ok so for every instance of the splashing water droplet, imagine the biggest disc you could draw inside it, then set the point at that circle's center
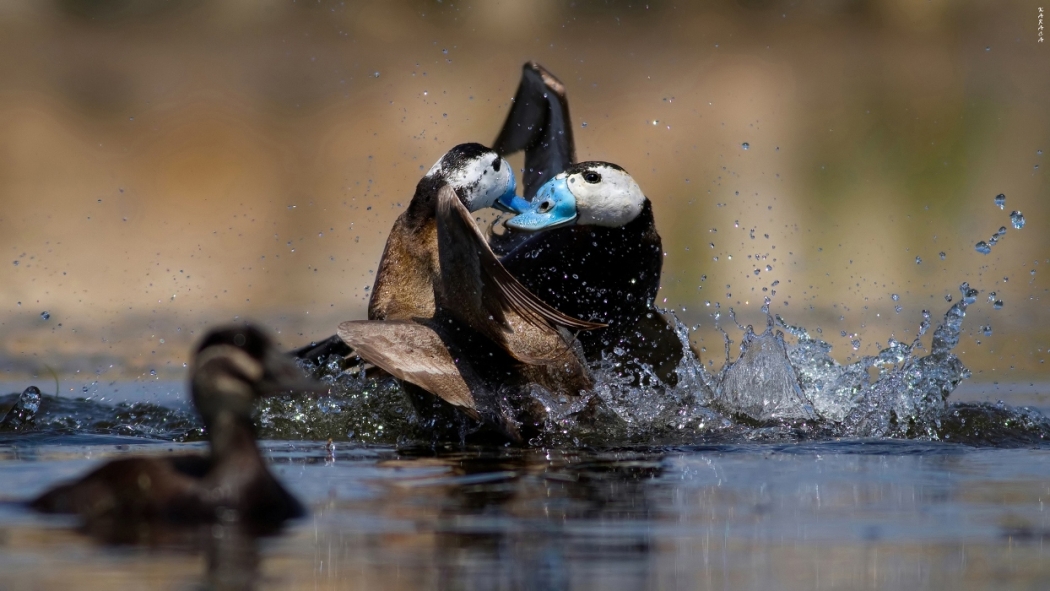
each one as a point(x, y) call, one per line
point(998, 305)
point(895, 297)
point(982, 247)
point(1000, 200)
point(986, 331)
point(1017, 219)
point(942, 255)
point(45, 315)
point(969, 294)
point(918, 260)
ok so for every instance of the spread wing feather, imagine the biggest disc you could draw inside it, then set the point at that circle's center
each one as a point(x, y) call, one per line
point(411, 352)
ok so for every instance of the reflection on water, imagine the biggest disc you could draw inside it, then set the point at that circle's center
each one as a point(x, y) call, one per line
point(831, 515)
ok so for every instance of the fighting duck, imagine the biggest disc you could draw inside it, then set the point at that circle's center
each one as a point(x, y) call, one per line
point(408, 268)
point(487, 341)
point(232, 368)
point(600, 263)
point(600, 260)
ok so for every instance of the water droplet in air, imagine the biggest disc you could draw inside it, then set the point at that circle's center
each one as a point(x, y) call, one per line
point(1000, 200)
point(45, 315)
point(152, 372)
point(584, 124)
point(895, 297)
point(942, 255)
point(745, 146)
point(1017, 219)
point(998, 305)
point(986, 331)
point(982, 247)
point(15, 263)
point(375, 74)
point(898, 309)
point(918, 260)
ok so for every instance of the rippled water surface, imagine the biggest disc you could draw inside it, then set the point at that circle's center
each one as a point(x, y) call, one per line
point(722, 513)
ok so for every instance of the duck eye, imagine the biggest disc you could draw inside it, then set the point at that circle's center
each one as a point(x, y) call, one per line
point(496, 163)
point(592, 177)
point(546, 206)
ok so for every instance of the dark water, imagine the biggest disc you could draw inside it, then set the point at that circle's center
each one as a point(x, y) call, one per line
point(730, 511)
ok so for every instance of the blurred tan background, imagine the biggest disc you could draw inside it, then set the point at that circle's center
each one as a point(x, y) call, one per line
point(165, 165)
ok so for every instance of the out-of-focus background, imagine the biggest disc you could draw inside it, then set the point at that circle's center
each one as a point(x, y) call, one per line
point(169, 164)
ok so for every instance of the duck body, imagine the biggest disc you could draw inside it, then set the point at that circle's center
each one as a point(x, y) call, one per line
point(184, 490)
point(597, 273)
point(599, 257)
point(232, 368)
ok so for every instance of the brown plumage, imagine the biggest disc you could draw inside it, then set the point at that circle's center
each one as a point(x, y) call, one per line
point(404, 285)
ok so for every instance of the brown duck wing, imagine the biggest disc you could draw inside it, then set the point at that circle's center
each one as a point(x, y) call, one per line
point(475, 285)
point(411, 352)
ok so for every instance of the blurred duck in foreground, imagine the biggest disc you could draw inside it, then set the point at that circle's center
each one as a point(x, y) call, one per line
point(233, 367)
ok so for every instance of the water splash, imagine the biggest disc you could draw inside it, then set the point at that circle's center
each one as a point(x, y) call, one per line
point(784, 385)
point(33, 412)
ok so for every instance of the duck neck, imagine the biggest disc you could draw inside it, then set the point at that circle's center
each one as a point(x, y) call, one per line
point(232, 439)
point(422, 208)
